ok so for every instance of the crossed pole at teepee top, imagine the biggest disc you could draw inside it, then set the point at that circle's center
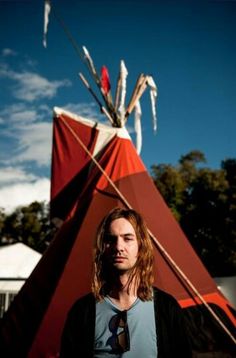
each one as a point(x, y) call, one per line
point(117, 113)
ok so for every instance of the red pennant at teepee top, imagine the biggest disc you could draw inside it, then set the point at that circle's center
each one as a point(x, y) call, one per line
point(105, 80)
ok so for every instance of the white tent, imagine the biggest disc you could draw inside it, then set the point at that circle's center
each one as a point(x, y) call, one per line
point(17, 261)
point(227, 285)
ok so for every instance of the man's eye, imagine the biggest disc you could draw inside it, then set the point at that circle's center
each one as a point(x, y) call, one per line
point(129, 238)
point(109, 239)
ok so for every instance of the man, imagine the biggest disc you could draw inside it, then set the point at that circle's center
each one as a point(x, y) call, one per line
point(124, 316)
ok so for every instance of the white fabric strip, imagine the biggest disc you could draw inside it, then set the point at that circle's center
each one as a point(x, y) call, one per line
point(47, 9)
point(123, 76)
point(137, 126)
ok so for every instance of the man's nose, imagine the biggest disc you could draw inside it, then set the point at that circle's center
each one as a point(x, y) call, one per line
point(119, 244)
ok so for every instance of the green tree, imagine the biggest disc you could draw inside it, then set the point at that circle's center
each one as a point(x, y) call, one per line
point(2, 221)
point(203, 201)
point(171, 185)
point(30, 225)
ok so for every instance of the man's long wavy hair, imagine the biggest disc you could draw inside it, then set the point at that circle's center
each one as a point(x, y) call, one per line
point(142, 273)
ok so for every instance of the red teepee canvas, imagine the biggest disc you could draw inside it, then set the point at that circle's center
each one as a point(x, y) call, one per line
point(95, 168)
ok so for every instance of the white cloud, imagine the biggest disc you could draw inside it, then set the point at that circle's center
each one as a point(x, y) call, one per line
point(35, 141)
point(15, 195)
point(32, 135)
point(30, 86)
point(8, 52)
point(12, 175)
point(18, 113)
point(21, 113)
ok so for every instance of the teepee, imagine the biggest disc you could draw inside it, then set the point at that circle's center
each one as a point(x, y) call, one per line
point(95, 168)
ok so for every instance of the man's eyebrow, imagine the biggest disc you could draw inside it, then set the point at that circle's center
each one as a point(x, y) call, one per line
point(110, 235)
point(128, 234)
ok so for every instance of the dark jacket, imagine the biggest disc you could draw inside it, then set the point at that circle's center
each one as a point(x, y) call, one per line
point(78, 334)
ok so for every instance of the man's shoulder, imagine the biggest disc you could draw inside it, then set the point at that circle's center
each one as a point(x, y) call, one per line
point(83, 302)
point(163, 296)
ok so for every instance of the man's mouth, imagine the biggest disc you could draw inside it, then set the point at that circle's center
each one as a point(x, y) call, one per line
point(118, 258)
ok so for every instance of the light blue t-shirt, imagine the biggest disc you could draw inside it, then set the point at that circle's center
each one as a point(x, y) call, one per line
point(141, 327)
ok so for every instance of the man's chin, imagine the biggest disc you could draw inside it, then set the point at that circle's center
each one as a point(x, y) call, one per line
point(121, 268)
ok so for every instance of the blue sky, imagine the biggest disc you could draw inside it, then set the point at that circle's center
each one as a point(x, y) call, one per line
point(188, 47)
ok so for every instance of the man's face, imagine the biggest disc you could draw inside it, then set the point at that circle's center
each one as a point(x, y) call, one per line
point(121, 245)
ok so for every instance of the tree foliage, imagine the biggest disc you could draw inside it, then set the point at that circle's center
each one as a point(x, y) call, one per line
point(29, 225)
point(203, 200)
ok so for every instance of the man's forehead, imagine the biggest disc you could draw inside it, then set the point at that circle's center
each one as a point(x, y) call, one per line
point(121, 225)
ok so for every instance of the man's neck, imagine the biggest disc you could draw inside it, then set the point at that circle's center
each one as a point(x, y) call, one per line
point(123, 293)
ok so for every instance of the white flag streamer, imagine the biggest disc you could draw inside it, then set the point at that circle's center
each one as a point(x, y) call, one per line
point(89, 59)
point(137, 126)
point(47, 9)
point(153, 96)
point(123, 76)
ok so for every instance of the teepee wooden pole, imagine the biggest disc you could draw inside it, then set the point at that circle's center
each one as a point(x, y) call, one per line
point(118, 91)
point(139, 89)
point(102, 108)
